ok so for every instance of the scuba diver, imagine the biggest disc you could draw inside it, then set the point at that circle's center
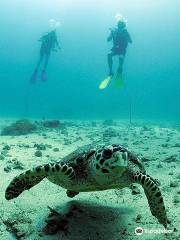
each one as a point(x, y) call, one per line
point(49, 43)
point(120, 38)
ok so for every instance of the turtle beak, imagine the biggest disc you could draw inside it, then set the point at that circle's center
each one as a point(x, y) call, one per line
point(121, 159)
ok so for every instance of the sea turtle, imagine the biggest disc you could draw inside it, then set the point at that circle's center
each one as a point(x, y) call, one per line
point(94, 169)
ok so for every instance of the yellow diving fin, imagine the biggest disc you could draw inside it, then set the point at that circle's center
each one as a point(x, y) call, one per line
point(105, 82)
point(118, 80)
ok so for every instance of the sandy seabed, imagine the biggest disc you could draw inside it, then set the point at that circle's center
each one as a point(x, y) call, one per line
point(106, 215)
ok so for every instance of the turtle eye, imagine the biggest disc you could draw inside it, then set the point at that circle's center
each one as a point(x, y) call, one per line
point(107, 153)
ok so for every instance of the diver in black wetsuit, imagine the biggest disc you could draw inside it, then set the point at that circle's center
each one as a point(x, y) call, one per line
point(49, 43)
point(120, 38)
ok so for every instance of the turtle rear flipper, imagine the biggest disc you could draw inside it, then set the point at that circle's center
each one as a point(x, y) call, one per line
point(154, 197)
point(32, 177)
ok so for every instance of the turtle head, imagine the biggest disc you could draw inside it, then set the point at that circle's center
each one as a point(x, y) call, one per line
point(112, 159)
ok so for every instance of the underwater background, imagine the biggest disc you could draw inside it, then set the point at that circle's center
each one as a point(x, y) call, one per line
point(42, 123)
point(151, 86)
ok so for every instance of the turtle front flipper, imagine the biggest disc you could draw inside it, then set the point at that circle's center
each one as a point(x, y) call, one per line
point(154, 197)
point(24, 182)
point(32, 177)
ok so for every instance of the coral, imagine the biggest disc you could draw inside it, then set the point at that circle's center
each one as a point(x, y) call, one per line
point(20, 127)
point(108, 122)
point(176, 199)
point(6, 147)
point(38, 153)
point(56, 222)
point(40, 146)
point(13, 164)
point(51, 123)
point(174, 184)
point(108, 134)
point(20, 226)
point(2, 157)
point(56, 149)
point(171, 158)
point(59, 222)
